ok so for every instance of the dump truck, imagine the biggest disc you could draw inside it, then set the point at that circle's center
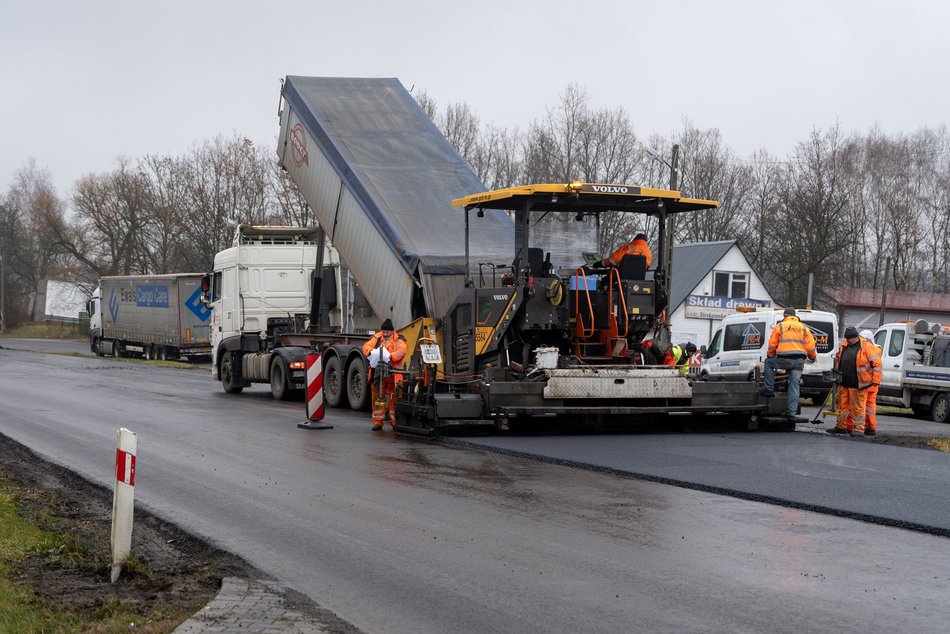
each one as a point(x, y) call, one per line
point(380, 178)
point(152, 316)
point(915, 359)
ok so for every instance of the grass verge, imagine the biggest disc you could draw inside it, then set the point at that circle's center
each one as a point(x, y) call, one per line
point(25, 545)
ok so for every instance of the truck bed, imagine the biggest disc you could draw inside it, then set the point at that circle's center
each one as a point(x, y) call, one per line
point(380, 178)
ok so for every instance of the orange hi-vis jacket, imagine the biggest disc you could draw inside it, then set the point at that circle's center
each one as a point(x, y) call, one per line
point(870, 369)
point(634, 247)
point(395, 343)
point(791, 338)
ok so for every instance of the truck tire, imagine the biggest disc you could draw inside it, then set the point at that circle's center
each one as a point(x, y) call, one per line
point(940, 409)
point(278, 380)
point(357, 389)
point(148, 352)
point(334, 384)
point(228, 380)
point(116, 352)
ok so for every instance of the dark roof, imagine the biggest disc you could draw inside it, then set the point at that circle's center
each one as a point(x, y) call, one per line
point(896, 300)
point(691, 263)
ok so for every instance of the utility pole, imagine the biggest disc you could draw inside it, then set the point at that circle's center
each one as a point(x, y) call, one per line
point(887, 267)
point(671, 219)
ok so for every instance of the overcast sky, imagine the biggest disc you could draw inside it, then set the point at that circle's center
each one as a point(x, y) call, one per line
point(86, 81)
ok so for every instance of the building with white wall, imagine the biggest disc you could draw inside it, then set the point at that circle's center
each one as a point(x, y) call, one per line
point(710, 280)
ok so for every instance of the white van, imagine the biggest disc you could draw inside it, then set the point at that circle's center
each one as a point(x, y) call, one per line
point(741, 342)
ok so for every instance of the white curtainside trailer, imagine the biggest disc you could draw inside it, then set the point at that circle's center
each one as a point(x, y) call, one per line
point(155, 316)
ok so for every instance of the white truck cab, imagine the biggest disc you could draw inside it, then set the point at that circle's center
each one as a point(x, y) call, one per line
point(740, 344)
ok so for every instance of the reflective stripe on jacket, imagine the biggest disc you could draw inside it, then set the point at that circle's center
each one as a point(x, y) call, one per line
point(396, 344)
point(634, 247)
point(868, 361)
point(791, 338)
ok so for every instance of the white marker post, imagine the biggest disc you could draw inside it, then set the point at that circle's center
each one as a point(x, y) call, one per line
point(315, 406)
point(123, 499)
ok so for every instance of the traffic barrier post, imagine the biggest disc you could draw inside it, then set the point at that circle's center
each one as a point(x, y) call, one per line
point(123, 499)
point(315, 405)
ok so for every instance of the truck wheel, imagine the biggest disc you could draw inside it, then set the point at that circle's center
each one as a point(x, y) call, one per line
point(278, 380)
point(161, 354)
point(940, 410)
point(333, 383)
point(228, 380)
point(115, 350)
point(148, 352)
point(357, 390)
point(97, 347)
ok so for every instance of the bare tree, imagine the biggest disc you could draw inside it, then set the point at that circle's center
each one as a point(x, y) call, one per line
point(813, 229)
point(29, 246)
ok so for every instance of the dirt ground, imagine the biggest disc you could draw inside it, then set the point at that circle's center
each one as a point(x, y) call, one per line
point(178, 570)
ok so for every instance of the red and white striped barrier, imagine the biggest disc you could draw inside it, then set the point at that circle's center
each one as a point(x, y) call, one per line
point(315, 406)
point(123, 499)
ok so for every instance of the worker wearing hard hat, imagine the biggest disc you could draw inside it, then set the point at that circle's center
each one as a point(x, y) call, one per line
point(790, 344)
point(386, 346)
point(859, 362)
point(637, 246)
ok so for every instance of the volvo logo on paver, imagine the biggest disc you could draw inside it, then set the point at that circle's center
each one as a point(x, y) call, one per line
point(298, 140)
point(610, 189)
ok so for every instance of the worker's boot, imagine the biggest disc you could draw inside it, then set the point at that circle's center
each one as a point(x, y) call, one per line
point(870, 432)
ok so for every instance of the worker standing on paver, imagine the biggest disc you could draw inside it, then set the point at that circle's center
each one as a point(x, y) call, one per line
point(790, 344)
point(859, 362)
point(387, 346)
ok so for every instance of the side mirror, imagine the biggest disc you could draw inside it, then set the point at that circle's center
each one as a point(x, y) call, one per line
point(704, 352)
point(205, 289)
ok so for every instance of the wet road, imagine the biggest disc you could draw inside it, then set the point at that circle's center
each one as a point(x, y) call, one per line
point(406, 535)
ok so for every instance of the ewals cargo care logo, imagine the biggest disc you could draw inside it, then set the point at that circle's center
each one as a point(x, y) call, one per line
point(298, 140)
point(151, 296)
point(113, 305)
point(194, 304)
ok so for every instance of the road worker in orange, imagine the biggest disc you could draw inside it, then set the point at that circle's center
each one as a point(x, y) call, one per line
point(387, 346)
point(859, 362)
point(790, 344)
point(870, 411)
point(637, 246)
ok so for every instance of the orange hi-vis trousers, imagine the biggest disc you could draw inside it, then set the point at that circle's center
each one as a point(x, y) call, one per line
point(852, 409)
point(383, 403)
point(870, 414)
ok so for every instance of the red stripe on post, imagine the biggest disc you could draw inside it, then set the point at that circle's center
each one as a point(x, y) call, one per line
point(315, 408)
point(125, 467)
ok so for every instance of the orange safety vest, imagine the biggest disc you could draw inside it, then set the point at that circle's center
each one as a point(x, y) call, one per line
point(634, 247)
point(868, 361)
point(790, 337)
point(396, 344)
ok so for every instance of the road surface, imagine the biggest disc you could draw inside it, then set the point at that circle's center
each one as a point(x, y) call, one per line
point(405, 535)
